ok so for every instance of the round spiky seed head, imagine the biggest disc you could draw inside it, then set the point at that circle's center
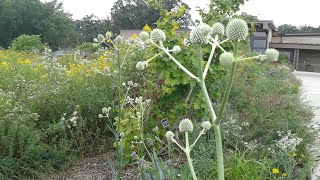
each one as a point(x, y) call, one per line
point(185, 125)
point(237, 29)
point(119, 40)
point(95, 40)
point(272, 54)
point(206, 125)
point(141, 65)
point(200, 34)
point(144, 35)
point(100, 116)
point(108, 35)
point(169, 135)
point(157, 35)
point(176, 49)
point(226, 59)
point(217, 29)
point(130, 83)
point(100, 37)
point(104, 110)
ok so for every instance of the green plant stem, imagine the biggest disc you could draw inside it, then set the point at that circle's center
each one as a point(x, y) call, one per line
point(119, 154)
point(187, 151)
point(219, 152)
point(210, 58)
point(216, 128)
point(229, 85)
point(243, 59)
point(194, 143)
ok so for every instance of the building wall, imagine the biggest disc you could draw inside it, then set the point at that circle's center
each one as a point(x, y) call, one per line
point(309, 60)
point(297, 39)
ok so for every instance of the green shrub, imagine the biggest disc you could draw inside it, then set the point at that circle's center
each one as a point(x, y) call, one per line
point(283, 58)
point(27, 43)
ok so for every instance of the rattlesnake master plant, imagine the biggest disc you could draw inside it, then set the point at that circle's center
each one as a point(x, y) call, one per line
point(185, 125)
point(217, 29)
point(226, 59)
point(157, 35)
point(237, 29)
point(203, 35)
point(200, 34)
point(272, 54)
point(144, 35)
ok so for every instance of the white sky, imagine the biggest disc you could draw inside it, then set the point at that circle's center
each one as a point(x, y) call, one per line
point(280, 11)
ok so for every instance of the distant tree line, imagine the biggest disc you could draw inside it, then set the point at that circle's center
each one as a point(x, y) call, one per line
point(288, 28)
point(57, 28)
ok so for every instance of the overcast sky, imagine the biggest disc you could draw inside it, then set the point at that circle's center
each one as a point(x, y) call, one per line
point(280, 11)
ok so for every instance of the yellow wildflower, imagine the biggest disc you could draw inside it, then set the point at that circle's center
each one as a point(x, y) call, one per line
point(134, 36)
point(294, 154)
point(43, 76)
point(302, 155)
point(147, 28)
point(275, 170)
point(5, 65)
point(284, 174)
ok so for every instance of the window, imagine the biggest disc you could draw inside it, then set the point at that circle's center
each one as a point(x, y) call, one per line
point(259, 43)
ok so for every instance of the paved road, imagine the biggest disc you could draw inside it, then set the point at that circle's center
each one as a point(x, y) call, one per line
point(311, 94)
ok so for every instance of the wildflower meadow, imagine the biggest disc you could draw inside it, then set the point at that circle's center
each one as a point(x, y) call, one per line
point(195, 105)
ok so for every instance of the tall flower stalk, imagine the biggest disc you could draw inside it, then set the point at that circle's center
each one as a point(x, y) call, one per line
point(203, 34)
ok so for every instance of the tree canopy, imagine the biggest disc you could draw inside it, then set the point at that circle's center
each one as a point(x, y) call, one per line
point(134, 14)
point(47, 19)
point(288, 28)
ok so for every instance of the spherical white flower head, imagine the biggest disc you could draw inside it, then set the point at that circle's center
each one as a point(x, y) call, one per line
point(100, 37)
point(185, 125)
point(95, 40)
point(108, 35)
point(121, 134)
point(226, 59)
point(272, 54)
point(100, 116)
point(176, 49)
point(144, 35)
point(104, 110)
point(169, 135)
point(237, 29)
point(119, 40)
point(141, 65)
point(200, 34)
point(217, 29)
point(157, 35)
point(206, 125)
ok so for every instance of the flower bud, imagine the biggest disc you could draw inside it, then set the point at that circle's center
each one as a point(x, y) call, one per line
point(130, 83)
point(95, 40)
point(119, 40)
point(237, 29)
point(108, 35)
point(121, 134)
point(157, 35)
point(185, 125)
point(144, 35)
point(104, 110)
point(100, 116)
point(169, 135)
point(226, 59)
point(100, 38)
point(176, 49)
point(141, 65)
point(206, 125)
point(200, 34)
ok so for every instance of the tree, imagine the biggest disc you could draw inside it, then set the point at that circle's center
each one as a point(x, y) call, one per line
point(90, 25)
point(29, 17)
point(134, 14)
point(288, 28)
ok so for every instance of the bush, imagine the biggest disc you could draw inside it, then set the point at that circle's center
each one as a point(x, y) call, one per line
point(28, 43)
